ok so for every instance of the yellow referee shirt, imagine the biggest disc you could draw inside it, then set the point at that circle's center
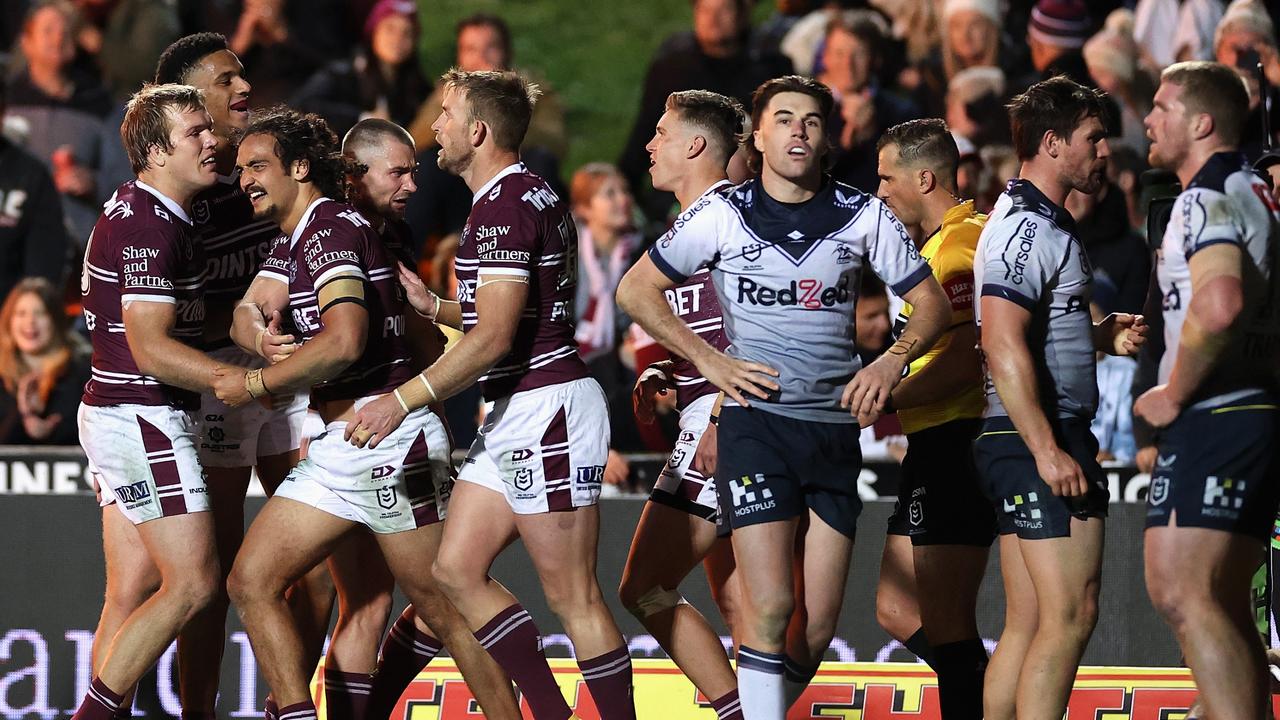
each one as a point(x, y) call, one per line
point(949, 253)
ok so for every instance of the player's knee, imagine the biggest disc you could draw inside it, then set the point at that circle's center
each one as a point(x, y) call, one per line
point(770, 612)
point(244, 586)
point(450, 576)
point(194, 591)
point(130, 591)
point(1071, 615)
point(654, 601)
point(571, 597)
point(370, 614)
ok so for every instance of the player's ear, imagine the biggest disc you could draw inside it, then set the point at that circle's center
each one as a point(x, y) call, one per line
point(156, 156)
point(927, 181)
point(1051, 143)
point(301, 169)
point(697, 144)
point(756, 142)
point(479, 131)
point(1202, 126)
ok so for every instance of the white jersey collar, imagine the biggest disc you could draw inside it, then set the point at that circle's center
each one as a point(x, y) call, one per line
point(512, 168)
point(165, 200)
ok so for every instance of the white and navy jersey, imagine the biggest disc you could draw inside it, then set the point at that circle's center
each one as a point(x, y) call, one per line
point(1225, 203)
point(1029, 254)
point(787, 278)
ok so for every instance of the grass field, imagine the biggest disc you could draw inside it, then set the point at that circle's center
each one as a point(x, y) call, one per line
point(593, 52)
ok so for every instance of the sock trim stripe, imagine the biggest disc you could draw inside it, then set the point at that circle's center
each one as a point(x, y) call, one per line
point(103, 699)
point(342, 686)
point(297, 715)
point(611, 668)
point(505, 628)
point(411, 642)
point(764, 662)
point(729, 708)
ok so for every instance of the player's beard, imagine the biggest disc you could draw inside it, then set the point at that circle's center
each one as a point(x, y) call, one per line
point(455, 163)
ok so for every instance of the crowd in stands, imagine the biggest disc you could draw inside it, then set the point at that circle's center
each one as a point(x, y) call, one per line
point(71, 64)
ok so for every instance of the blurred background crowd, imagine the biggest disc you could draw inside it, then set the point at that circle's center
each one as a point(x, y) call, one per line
point(71, 65)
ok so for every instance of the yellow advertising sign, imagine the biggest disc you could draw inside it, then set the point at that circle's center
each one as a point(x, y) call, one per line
point(853, 691)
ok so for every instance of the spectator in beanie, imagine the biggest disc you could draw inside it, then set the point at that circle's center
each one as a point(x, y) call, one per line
point(1056, 32)
point(975, 106)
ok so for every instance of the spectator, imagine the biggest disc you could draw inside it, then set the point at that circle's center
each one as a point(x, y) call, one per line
point(851, 57)
point(1113, 423)
point(1193, 39)
point(125, 37)
point(59, 109)
point(1115, 63)
point(970, 39)
point(719, 59)
point(1124, 170)
point(33, 239)
point(607, 247)
point(49, 77)
point(384, 79)
point(1117, 252)
point(975, 106)
point(43, 368)
point(884, 440)
point(282, 43)
point(1245, 37)
point(1055, 35)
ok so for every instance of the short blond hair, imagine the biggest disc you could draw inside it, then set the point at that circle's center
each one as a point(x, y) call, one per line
point(148, 122)
point(501, 99)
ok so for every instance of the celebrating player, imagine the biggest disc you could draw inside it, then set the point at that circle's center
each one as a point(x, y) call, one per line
point(689, 152)
point(1036, 456)
point(535, 469)
point(1213, 491)
point(788, 249)
point(942, 525)
point(233, 441)
point(331, 271)
point(143, 303)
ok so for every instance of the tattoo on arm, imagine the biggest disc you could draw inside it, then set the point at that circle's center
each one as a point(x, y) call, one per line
point(903, 346)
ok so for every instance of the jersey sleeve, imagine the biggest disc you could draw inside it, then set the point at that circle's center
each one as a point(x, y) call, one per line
point(1209, 218)
point(335, 248)
point(1020, 259)
point(276, 265)
point(693, 241)
point(891, 251)
point(149, 264)
point(953, 266)
point(507, 239)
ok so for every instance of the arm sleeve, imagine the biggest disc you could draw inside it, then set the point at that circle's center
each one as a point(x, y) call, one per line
point(1019, 261)
point(891, 251)
point(46, 243)
point(149, 264)
point(693, 241)
point(508, 239)
point(334, 248)
point(1208, 219)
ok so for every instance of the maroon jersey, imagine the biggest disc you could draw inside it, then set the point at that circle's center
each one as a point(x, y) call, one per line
point(142, 249)
point(235, 246)
point(333, 240)
point(518, 227)
point(694, 301)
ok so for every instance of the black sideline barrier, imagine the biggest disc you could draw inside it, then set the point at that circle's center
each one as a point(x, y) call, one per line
point(53, 570)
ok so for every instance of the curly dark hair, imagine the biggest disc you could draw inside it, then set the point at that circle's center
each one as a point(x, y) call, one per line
point(1058, 105)
point(309, 138)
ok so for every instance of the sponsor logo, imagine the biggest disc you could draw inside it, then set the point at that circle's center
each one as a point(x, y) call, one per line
point(808, 293)
point(136, 253)
point(1223, 497)
point(162, 214)
point(750, 494)
point(540, 197)
point(685, 300)
point(1025, 510)
point(355, 218)
point(383, 471)
point(521, 456)
point(495, 192)
point(523, 479)
point(487, 232)
point(133, 493)
point(589, 478)
point(217, 434)
point(1025, 241)
point(960, 291)
point(1166, 461)
point(118, 209)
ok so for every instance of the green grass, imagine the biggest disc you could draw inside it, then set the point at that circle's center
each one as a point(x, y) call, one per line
point(594, 53)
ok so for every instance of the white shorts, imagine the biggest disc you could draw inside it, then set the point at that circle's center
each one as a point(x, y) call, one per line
point(237, 437)
point(402, 484)
point(544, 449)
point(143, 458)
point(679, 485)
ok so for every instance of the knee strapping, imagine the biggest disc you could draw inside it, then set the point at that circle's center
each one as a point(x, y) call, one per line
point(658, 599)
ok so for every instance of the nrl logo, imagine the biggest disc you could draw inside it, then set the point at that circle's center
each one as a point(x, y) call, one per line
point(752, 251)
point(200, 211)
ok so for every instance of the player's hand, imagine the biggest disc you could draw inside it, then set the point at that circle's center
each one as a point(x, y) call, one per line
point(738, 378)
point(655, 380)
point(706, 456)
point(616, 470)
point(425, 302)
point(374, 422)
point(1157, 406)
point(229, 385)
point(867, 393)
point(273, 343)
point(1145, 459)
point(31, 408)
point(1061, 473)
point(1120, 334)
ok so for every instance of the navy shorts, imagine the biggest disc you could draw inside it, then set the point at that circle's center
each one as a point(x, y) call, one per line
point(1215, 468)
point(1024, 504)
point(773, 468)
point(940, 500)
